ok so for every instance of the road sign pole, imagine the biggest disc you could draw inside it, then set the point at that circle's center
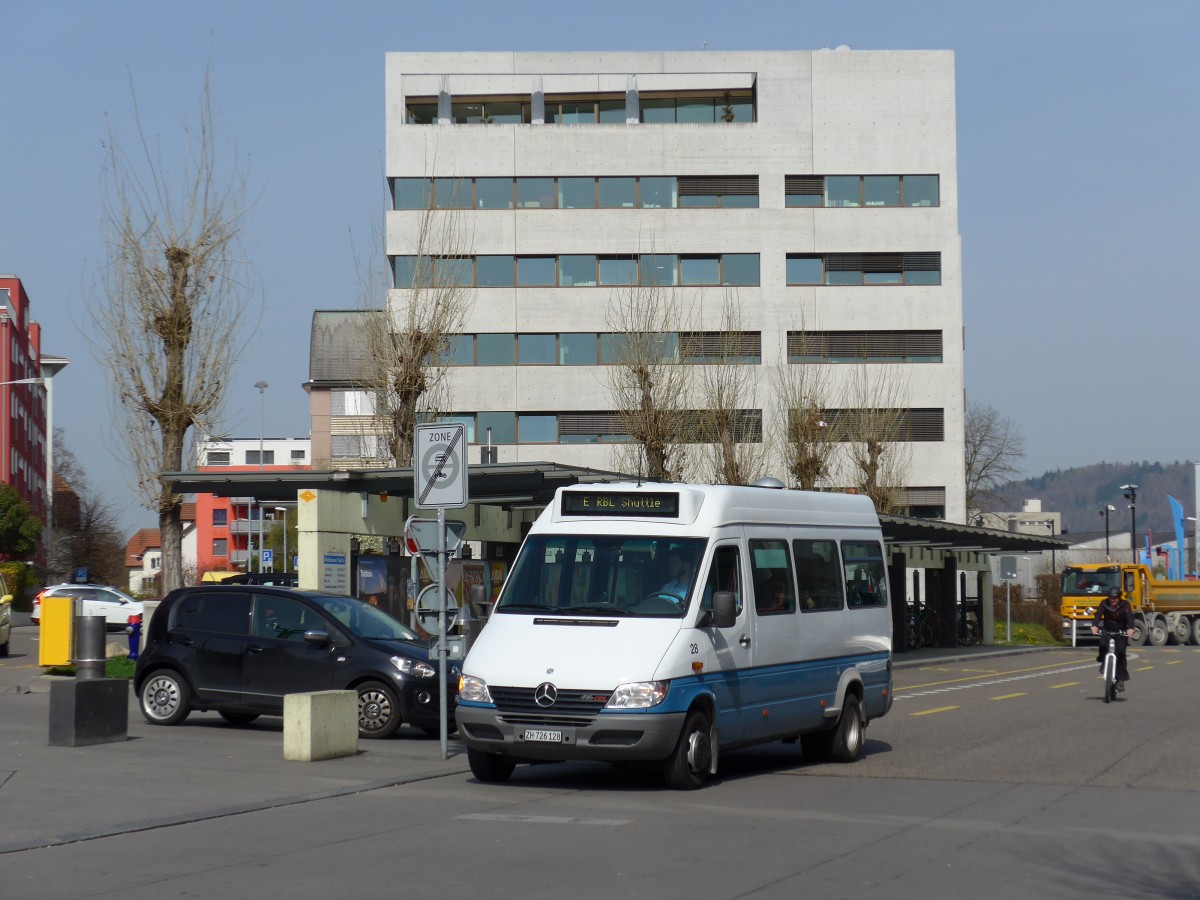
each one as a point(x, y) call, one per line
point(442, 642)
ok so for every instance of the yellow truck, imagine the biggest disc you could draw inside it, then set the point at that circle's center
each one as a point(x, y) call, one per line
point(1163, 610)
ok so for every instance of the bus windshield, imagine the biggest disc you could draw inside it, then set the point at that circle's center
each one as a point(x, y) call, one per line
point(1085, 581)
point(602, 575)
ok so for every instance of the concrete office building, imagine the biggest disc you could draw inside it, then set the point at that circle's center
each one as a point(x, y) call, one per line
point(819, 189)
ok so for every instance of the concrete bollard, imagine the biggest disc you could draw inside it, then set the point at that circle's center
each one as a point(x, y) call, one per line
point(92, 711)
point(320, 725)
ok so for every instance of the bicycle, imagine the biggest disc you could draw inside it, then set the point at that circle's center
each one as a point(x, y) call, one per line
point(1110, 665)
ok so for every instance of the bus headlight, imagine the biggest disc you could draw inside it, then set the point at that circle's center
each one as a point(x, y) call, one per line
point(638, 695)
point(473, 690)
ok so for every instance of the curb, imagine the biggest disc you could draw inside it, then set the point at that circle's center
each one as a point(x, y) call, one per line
point(901, 663)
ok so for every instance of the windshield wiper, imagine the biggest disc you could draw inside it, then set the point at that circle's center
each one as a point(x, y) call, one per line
point(600, 610)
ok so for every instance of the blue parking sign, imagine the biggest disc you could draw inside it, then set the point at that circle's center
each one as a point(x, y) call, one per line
point(268, 557)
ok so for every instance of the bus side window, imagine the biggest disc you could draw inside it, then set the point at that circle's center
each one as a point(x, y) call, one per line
point(725, 574)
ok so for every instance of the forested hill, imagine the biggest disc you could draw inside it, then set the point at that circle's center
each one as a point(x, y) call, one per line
point(1081, 493)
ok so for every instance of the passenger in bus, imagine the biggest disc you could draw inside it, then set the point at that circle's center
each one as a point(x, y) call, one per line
point(772, 596)
point(679, 567)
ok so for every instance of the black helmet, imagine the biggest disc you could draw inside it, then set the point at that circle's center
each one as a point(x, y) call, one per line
point(1114, 593)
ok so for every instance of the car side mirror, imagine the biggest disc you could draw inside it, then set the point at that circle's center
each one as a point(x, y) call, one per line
point(320, 638)
point(479, 605)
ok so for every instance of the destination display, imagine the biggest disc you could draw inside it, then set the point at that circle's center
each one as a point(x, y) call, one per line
point(620, 503)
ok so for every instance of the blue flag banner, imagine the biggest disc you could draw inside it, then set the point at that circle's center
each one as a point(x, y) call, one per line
point(1177, 518)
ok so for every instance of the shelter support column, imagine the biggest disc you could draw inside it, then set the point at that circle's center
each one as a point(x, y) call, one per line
point(947, 602)
point(897, 572)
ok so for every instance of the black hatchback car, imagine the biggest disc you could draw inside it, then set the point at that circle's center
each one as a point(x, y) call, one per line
point(237, 649)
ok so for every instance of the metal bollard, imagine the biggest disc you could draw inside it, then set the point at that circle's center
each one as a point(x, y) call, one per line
point(89, 647)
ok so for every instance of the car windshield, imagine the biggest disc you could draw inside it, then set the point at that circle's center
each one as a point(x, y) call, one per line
point(363, 620)
point(592, 575)
point(1082, 581)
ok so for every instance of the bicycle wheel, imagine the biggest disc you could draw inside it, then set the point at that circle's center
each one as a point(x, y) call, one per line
point(1110, 677)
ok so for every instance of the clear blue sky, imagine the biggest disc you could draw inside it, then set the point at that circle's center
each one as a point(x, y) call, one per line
point(1078, 162)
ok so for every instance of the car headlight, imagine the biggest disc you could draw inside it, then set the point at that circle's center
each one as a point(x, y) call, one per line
point(473, 690)
point(413, 667)
point(638, 695)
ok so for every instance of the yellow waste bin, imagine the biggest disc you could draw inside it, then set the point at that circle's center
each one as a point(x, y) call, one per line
point(57, 638)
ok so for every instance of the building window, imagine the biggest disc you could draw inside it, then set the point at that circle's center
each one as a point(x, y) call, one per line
point(855, 191)
point(268, 458)
point(865, 269)
point(916, 425)
point(220, 518)
point(581, 192)
point(217, 458)
point(713, 191)
point(220, 547)
point(298, 456)
point(864, 346)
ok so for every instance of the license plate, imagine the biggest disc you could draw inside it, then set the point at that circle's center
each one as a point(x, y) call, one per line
point(545, 737)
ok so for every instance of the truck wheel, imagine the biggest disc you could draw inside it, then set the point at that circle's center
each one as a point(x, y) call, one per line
point(1157, 632)
point(1196, 630)
point(687, 767)
point(489, 766)
point(1182, 630)
point(1139, 632)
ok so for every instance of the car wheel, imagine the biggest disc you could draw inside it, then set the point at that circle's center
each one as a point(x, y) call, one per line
point(166, 699)
point(239, 718)
point(489, 766)
point(687, 767)
point(378, 710)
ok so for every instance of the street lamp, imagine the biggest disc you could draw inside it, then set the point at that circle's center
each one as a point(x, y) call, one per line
point(283, 509)
point(1131, 495)
point(1108, 508)
point(262, 386)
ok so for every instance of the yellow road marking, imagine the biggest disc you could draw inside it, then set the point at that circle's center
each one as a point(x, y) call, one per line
point(913, 687)
point(1143, 668)
point(934, 669)
point(1066, 684)
point(1174, 662)
point(1009, 696)
point(929, 712)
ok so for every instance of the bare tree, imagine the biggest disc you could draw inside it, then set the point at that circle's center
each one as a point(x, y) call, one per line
point(648, 384)
point(730, 418)
point(411, 335)
point(993, 449)
point(170, 304)
point(809, 437)
point(874, 428)
point(85, 531)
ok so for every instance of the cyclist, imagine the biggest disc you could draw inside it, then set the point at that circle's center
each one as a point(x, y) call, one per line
point(1114, 615)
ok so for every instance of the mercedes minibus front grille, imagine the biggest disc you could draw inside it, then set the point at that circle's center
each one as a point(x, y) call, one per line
point(520, 701)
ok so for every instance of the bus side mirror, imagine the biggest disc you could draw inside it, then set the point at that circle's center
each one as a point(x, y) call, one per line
point(724, 610)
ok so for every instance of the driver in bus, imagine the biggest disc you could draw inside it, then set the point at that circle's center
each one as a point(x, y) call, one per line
point(680, 569)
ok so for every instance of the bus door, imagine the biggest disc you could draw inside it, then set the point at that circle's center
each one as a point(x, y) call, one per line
point(728, 653)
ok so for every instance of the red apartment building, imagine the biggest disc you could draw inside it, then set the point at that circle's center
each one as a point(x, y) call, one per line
point(23, 406)
point(228, 528)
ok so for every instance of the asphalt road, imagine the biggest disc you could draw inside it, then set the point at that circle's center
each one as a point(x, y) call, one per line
point(1001, 777)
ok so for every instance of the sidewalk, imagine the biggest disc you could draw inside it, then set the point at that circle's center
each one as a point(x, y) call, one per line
point(202, 769)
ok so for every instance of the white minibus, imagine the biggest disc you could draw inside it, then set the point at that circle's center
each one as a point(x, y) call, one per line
point(670, 622)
